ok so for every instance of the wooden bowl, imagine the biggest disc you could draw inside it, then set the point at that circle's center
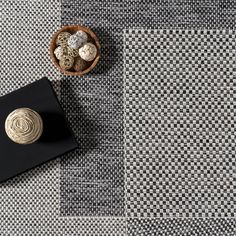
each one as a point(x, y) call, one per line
point(91, 38)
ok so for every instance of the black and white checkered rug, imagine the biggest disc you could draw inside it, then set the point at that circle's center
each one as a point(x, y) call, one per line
point(155, 120)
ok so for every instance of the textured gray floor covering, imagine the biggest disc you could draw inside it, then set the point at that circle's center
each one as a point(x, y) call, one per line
point(97, 103)
point(180, 123)
point(61, 197)
point(30, 203)
point(181, 227)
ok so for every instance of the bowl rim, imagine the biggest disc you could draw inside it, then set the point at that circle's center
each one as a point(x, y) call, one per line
point(74, 28)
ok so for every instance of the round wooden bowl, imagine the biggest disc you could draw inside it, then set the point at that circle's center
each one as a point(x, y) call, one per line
point(91, 38)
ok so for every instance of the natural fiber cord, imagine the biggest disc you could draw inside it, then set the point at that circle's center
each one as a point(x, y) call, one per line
point(24, 126)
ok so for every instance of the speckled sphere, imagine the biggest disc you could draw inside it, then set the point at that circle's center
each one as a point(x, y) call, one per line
point(62, 38)
point(88, 52)
point(66, 62)
point(82, 35)
point(24, 126)
point(60, 51)
point(77, 40)
point(79, 64)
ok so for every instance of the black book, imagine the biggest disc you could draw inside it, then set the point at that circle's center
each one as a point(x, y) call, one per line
point(57, 137)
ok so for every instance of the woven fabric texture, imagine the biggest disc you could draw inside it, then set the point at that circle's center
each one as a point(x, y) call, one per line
point(91, 191)
point(181, 227)
point(30, 203)
point(25, 38)
point(95, 102)
point(92, 178)
point(180, 123)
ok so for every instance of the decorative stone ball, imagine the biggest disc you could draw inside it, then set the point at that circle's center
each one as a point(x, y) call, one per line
point(88, 52)
point(62, 38)
point(24, 126)
point(77, 40)
point(79, 64)
point(60, 51)
point(66, 62)
point(72, 52)
point(82, 35)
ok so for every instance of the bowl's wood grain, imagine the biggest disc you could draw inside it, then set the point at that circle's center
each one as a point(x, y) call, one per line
point(91, 38)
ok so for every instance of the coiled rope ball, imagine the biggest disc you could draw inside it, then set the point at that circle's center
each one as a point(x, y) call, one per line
point(24, 126)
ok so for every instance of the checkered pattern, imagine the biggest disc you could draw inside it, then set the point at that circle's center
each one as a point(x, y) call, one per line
point(25, 42)
point(98, 97)
point(180, 121)
point(40, 201)
point(30, 203)
point(182, 227)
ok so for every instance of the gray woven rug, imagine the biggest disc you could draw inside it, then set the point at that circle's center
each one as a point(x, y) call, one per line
point(155, 120)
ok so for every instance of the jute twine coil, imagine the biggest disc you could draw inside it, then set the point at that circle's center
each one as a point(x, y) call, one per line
point(24, 126)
